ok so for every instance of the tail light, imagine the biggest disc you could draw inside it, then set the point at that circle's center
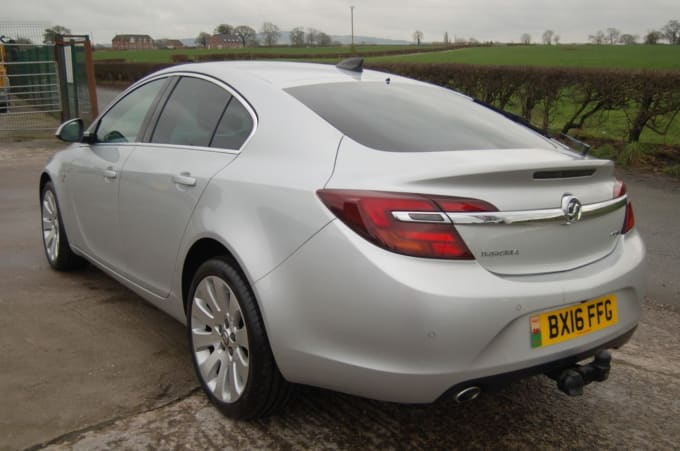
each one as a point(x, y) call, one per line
point(629, 220)
point(410, 224)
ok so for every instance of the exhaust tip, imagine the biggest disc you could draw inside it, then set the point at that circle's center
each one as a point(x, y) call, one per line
point(467, 394)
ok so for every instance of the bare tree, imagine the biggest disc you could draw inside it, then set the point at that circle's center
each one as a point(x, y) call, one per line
point(597, 38)
point(653, 37)
point(323, 39)
point(613, 35)
point(525, 39)
point(671, 31)
point(202, 39)
point(628, 39)
point(556, 39)
point(297, 37)
point(311, 36)
point(270, 33)
point(50, 33)
point(247, 35)
point(224, 29)
point(417, 37)
point(548, 37)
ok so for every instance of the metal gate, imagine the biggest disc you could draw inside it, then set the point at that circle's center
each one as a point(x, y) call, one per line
point(29, 91)
point(42, 85)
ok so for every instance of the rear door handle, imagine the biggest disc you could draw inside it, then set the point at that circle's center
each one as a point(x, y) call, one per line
point(184, 179)
point(110, 173)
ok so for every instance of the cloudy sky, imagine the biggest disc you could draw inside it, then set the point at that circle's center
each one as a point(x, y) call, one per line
point(485, 20)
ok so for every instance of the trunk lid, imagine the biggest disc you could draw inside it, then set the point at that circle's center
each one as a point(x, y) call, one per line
point(530, 181)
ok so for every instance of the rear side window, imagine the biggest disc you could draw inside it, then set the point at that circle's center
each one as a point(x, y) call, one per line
point(234, 127)
point(191, 114)
point(413, 118)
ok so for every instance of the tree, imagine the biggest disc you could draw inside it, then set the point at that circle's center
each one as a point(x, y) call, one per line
point(23, 40)
point(202, 39)
point(597, 38)
point(556, 39)
point(323, 39)
point(653, 37)
point(525, 39)
point(297, 37)
point(50, 33)
point(417, 36)
point(311, 36)
point(446, 38)
point(270, 33)
point(548, 37)
point(628, 39)
point(612, 35)
point(224, 28)
point(671, 31)
point(247, 35)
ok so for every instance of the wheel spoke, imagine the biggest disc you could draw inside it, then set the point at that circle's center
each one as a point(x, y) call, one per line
point(222, 375)
point(241, 337)
point(217, 303)
point(209, 365)
point(202, 339)
point(231, 380)
point(201, 314)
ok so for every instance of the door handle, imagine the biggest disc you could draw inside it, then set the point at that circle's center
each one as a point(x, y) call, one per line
point(184, 179)
point(110, 173)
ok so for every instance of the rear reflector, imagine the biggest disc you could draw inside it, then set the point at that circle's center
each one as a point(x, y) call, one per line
point(371, 215)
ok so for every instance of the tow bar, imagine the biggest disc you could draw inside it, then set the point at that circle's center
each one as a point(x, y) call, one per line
point(571, 380)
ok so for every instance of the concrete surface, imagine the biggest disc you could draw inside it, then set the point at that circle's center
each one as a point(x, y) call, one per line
point(86, 364)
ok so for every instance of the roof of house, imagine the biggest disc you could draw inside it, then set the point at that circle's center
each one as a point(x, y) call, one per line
point(127, 37)
point(226, 38)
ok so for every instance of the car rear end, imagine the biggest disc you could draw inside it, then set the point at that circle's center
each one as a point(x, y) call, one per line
point(463, 251)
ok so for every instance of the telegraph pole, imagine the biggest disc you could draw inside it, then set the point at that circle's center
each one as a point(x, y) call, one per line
point(351, 12)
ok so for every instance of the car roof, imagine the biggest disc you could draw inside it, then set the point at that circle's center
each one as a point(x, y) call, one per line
point(283, 74)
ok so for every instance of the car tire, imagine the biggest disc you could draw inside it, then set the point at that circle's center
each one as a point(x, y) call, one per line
point(55, 241)
point(229, 346)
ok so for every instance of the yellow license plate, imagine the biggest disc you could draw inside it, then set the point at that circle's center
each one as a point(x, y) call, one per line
point(560, 325)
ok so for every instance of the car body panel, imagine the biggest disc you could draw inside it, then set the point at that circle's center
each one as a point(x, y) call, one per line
point(155, 207)
point(374, 323)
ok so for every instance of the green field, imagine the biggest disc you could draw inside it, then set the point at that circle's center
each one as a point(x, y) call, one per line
point(607, 56)
point(164, 56)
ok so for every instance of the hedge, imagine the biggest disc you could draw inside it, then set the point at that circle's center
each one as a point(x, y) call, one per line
point(649, 99)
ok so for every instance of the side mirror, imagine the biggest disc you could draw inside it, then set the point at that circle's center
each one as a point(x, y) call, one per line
point(71, 131)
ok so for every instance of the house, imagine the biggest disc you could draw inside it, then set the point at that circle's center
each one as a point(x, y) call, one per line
point(169, 44)
point(132, 42)
point(224, 41)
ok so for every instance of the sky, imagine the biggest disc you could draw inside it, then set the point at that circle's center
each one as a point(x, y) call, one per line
point(485, 20)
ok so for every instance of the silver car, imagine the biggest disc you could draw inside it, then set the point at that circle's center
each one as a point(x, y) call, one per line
point(348, 229)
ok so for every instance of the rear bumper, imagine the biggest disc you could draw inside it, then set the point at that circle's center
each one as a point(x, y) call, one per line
point(490, 383)
point(345, 315)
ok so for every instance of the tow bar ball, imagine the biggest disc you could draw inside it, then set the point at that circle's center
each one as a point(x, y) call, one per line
point(572, 380)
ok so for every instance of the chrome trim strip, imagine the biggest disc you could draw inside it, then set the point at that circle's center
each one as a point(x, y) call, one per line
point(428, 217)
point(530, 216)
point(509, 217)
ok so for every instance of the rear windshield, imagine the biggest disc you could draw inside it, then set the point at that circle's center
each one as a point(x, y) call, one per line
point(413, 118)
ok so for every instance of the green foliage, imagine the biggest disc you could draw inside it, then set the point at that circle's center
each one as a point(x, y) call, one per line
point(632, 154)
point(603, 56)
point(673, 170)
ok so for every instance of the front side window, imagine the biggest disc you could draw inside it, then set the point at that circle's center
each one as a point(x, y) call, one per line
point(123, 122)
point(191, 114)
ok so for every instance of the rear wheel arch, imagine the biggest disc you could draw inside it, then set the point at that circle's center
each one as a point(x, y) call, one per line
point(44, 178)
point(200, 252)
